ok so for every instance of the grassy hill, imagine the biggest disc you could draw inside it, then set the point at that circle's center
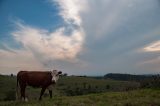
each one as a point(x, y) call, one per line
point(66, 86)
point(72, 86)
point(82, 91)
point(143, 97)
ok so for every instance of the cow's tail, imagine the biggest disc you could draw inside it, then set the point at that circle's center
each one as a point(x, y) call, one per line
point(17, 90)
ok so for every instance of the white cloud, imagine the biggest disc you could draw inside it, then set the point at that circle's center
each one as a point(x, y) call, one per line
point(71, 9)
point(153, 47)
point(58, 44)
point(39, 46)
point(54, 45)
point(105, 16)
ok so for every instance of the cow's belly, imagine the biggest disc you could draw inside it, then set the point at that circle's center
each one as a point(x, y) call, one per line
point(37, 83)
point(34, 85)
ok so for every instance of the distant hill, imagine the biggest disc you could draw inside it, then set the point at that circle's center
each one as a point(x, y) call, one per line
point(126, 77)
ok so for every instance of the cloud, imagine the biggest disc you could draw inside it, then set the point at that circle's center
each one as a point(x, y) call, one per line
point(58, 44)
point(103, 20)
point(39, 46)
point(70, 10)
point(54, 45)
point(150, 65)
point(122, 27)
point(153, 47)
point(152, 58)
point(18, 60)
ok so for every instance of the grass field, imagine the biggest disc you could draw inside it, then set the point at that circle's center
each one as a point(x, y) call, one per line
point(7, 86)
point(143, 97)
point(82, 91)
point(66, 86)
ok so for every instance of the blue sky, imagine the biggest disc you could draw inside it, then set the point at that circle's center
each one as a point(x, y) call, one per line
point(80, 37)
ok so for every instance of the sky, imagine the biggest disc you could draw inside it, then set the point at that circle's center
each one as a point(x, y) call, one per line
point(80, 37)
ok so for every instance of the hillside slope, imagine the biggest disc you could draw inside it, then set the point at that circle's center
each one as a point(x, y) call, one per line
point(66, 86)
point(143, 97)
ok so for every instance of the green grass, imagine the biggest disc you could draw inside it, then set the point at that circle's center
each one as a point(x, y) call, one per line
point(66, 86)
point(7, 85)
point(143, 97)
point(95, 85)
point(101, 95)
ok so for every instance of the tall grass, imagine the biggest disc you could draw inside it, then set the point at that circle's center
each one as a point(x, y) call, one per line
point(143, 97)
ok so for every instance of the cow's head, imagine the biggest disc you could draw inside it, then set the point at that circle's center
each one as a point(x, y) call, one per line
point(55, 75)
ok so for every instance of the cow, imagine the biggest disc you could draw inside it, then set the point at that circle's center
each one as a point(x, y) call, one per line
point(39, 79)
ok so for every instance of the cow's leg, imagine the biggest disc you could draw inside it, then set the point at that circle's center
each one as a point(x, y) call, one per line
point(42, 91)
point(50, 93)
point(50, 87)
point(23, 91)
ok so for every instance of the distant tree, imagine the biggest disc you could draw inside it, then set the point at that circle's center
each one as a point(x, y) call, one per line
point(11, 75)
point(125, 77)
point(65, 74)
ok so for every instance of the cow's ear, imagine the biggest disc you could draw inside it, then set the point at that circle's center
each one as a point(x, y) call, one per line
point(60, 72)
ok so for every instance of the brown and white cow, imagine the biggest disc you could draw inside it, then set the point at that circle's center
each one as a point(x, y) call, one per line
point(38, 79)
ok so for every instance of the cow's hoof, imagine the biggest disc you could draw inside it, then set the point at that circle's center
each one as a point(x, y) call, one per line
point(26, 100)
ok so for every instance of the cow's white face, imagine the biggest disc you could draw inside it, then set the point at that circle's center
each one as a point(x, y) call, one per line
point(55, 75)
